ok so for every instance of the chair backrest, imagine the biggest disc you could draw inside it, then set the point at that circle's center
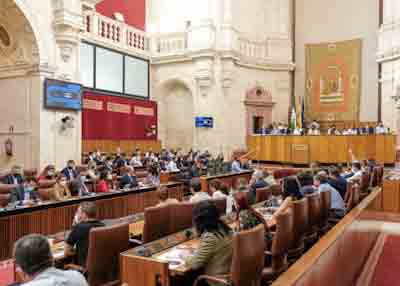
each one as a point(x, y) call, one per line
point(46, 183)
point(365, 180)
point(156, 223)
point(314, 210)
point(326, 199)
point(300, 220)
point(282, 173)
point(282, 240)
point(248, 257)
point(30, 172)
point(105, 246)
point(181, 216)
point(221, 205)
point(263, 194)
point(44, 194)
point(377, 176)
point(276, 190)
point(356, 195)
point(4, 199)
point(6, 189)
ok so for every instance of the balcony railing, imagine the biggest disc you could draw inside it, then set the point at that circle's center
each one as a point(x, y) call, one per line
point(103, 29)
point(168, 46)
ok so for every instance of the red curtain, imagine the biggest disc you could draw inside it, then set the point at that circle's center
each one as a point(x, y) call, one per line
point(107, 117)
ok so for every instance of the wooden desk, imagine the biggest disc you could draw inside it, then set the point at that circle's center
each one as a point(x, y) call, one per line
point(53, 217)
point(229, 179)
point(323, 149)
point(149, 264)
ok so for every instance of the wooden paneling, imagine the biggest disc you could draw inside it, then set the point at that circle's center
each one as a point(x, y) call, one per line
point(323, 149)
point(390, 196)
point(58, 217)
point(127, 146)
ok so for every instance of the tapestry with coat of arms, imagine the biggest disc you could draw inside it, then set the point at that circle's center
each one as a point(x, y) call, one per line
point(333, 81)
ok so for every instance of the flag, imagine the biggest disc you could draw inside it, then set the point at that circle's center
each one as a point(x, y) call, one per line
point(293, 119)
point(298, 109)
point(302, 112)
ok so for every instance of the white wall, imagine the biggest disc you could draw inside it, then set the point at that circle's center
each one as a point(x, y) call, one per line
point(166, 16)
point(328, 21)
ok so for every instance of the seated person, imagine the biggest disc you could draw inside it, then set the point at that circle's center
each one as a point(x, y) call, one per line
point(291, 188)
point(171, 165)
point(15, 177)
point(298, 131)
point(25, 193)
point(245, 164)
point(60, 191)
point(92, 171)
point(337, 181)
point(236, 166)
point(78, 240)
point(164, 199)
point(355, 173)
point(153, 178)
point(269, 178)
point(109, 165)
point(70, 171)
point(240, 186)
point(257, 182)
point(103, 184)
point(49, 173)
point(214, 254)
point(136, 160)
point(34, 258)
point(198, 194)
point(313, 131)
point(321, 182)
point(215, 188)
point(247, 217)
point(128, 179)
point(380, 129)
point(306, 181)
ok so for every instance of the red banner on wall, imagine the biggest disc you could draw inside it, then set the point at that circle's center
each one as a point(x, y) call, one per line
point(106, 117)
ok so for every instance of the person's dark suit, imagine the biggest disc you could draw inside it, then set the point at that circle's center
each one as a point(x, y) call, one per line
point(257, 185)
point(18, 194)
point(67, 173)
point(9, 179)
point(128, 180)
point(339, 184)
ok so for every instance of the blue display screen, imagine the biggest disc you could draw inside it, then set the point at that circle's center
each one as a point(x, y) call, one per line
point(204, 122)
point(63, 95)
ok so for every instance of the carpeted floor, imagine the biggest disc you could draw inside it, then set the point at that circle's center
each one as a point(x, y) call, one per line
point(387, 271)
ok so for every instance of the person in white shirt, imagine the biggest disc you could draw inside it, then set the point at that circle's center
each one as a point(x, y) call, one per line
point(380, 129)
point(198, 194)
point(314, 124)
point(236, 167)
point(313, 131)
point(298, 131)
point(321, 182)
point(356, 172)
point(136, 160)
point(171, 166)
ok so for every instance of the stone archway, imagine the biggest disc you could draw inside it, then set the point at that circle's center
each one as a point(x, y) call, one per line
point(175, 114)
point(259, 105)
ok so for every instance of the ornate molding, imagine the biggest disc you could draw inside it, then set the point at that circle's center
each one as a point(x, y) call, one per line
point(204, 78)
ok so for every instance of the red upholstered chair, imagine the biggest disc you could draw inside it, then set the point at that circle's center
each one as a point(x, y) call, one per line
point(300, 227)
point(314, 218)
point(263, 194)
point(282, 173)
point(156, 223)
point(247, 261)
point(281, 243)
point(6, 189)
point(181, 216)
point(30, 172)
point(105, 246)
point(4, 200)
point(221, 205)
point(326, 200)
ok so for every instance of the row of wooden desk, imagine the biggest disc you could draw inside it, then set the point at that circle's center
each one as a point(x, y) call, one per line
point(156, 262)
point(52, 217)
point(322, 149)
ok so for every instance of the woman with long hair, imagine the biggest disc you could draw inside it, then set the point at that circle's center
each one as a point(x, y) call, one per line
point(291, 188)
point(60, 190)
point(214, 254)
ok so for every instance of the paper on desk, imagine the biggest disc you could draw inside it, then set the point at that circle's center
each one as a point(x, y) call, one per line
point(176, 256)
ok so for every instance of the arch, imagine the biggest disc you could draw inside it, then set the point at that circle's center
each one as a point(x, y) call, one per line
point(33, 21)
point(259, 105)
point(175, 113)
